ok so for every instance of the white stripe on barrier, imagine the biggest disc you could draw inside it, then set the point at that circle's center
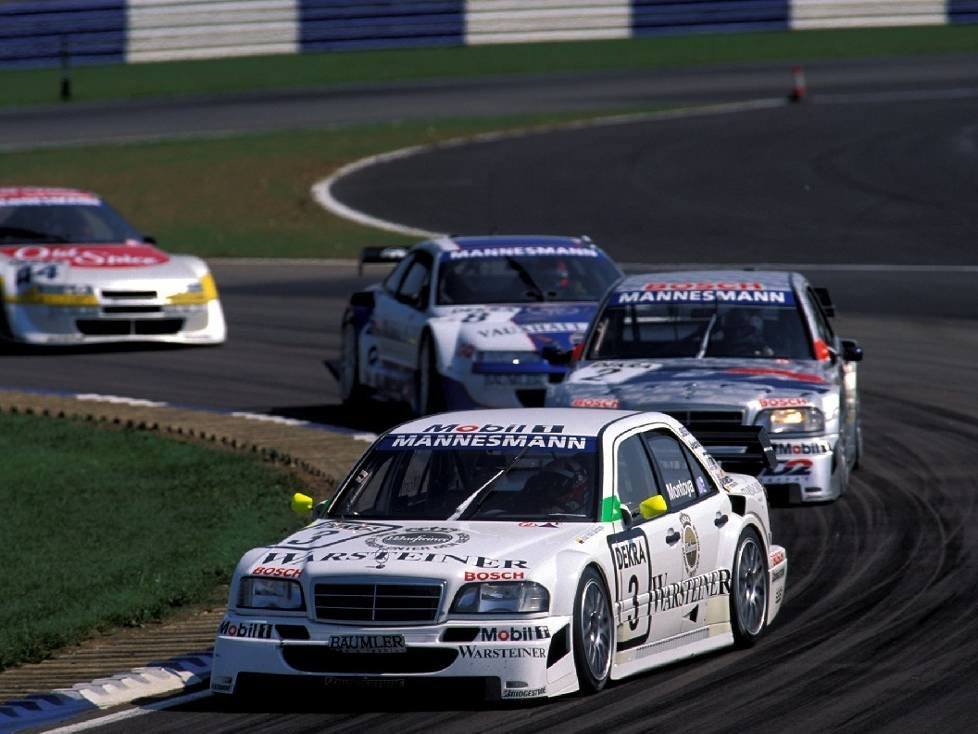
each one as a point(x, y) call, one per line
point(130, 713)
point(516, 21)
point(810, 14)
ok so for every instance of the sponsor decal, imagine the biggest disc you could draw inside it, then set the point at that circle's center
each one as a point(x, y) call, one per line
point(666, 596)
point(514, 634)
point(779, 595)
point(380, 558)
point(120, 256)
point(491, 428)
point(523, 692)
point(808, 448)
point(589, 533)
point(367, 644)
point(778, 575)
point(520, 251)
point(632, 563)
point(414, 441)
point(775, 558)
point(701, 487)
point(691, 544)
point(487, 653)
point(418, 539)
point(494, 575)
point(595, 403)
point(727, 297)
point(774, 372)
point(325, 533)
point(26, 196)
point(790, 468)
point(545, 327)
point(253, 630)
point(679, 491)
point(221, 684)
point(539, 525)
point(289, 573)
point(784, 402)
point(707, 285)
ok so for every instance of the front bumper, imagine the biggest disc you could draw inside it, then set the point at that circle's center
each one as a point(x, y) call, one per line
point(807, 471)
point(522, 658)
point(67, 325)
point(501, 386)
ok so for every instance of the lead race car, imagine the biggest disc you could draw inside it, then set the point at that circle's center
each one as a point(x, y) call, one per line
point(539, 551)
point(466, 322)
point(731, 348)
point(72, 271)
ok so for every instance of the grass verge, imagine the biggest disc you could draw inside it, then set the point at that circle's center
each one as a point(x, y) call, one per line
point(217, 76)
point(240, 196)
point(105, 528)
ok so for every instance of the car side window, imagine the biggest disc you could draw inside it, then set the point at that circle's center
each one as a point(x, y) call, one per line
point(413, 289)
point(822, 325)
point(680, 489)
point(704, 485)
point(636, 480)
point(397, 274)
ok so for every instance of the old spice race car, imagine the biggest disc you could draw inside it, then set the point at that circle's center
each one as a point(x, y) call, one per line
point(471, 321)
point(541, 551)
point(731, 348)
point(72, 271)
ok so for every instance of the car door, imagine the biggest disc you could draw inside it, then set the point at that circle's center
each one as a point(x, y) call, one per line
point(697, 511)
point(643, 561)
point(406, 312)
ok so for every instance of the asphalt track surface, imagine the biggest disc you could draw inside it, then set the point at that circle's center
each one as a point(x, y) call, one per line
point(880, 626)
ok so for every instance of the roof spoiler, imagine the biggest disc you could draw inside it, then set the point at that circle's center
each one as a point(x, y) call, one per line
point(825, 301)
point(739, 449)
point(386, 255)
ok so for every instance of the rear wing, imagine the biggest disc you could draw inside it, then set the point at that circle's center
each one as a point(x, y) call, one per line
point(386, 255)
point(738, 449)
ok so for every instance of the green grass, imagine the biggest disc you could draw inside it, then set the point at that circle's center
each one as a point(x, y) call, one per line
point(102, 528)
point(245, 195)
point(18, 87)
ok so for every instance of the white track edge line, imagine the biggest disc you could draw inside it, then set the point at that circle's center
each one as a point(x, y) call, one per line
point(130, 713)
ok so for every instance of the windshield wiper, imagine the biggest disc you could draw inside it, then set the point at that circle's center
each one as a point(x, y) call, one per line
point(527, 279)
point(475, 500)
point(31, 234)
point(706, 336)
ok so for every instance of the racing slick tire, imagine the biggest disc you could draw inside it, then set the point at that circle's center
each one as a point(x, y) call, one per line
point(428, 394)
point(352, 392)
point(594, 632)
point(749, 590)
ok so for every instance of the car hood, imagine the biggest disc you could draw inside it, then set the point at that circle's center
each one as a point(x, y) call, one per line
point(98, 264)
point(529, 327)
point(684, 383)
point(424, 549)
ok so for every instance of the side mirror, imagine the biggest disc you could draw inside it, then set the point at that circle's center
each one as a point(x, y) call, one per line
point(149, 239)
point(576, 353)
point(653, 507)
point(302, 504)
point(626, 517)
point(851, 351)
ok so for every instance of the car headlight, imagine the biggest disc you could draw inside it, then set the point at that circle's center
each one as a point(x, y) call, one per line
point(504, 597)
point(257, 593)
point(197, 293)
point(791, 420)
point(508, 357)
point(59, 295)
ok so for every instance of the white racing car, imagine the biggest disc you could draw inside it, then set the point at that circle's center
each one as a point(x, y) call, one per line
point(540, 551)
point(72, 271)
point(468, 322)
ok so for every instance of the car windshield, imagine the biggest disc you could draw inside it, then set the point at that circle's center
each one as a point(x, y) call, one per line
point(656, 331)
point(63, 223)
point(478, 280)
point(493, 484)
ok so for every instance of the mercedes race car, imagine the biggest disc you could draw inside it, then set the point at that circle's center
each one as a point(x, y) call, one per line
point(471, 321)
point(731, 348)
point(72, 271)
point(538, 551)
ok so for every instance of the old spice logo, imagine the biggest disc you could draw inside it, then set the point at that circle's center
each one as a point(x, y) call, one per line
point(86, 256)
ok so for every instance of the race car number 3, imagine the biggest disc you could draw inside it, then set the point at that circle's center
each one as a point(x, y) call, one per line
point(633, 581)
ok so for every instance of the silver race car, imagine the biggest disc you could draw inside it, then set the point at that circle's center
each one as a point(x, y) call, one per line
point(731, 348)
point(72, 271)
point(467, 322)
point(536, 551)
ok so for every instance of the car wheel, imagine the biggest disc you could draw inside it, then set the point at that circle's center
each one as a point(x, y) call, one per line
point(351, 391)
point(749, 589)
point(428, 396)
point(859, 447)
point(594, 633)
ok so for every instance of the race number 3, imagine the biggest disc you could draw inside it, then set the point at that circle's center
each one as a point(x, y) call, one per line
point(632, 562)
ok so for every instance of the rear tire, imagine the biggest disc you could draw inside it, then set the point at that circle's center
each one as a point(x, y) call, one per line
point(352, 392)
point(594, 632)
point(749, 589)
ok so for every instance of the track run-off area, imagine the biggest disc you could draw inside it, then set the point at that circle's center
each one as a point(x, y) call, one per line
point(869, 195)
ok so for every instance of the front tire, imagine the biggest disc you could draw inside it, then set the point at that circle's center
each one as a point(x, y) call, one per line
point(749, 590)
point(594, 632)
point(428, 395)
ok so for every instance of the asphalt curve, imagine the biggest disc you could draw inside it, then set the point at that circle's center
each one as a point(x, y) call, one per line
point(879, 629)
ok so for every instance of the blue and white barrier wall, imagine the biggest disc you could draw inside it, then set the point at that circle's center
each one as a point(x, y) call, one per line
point(39, 32)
